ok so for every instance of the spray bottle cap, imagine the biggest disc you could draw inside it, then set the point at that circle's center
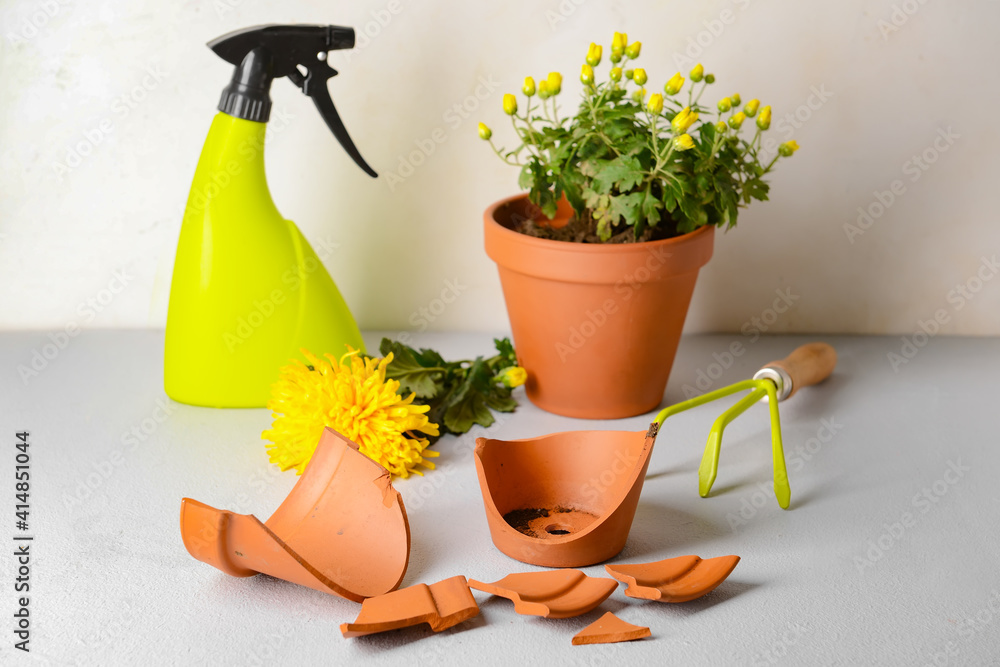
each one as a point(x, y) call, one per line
point(264, 53)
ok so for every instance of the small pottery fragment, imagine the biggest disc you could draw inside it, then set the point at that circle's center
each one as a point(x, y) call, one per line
point(341, 530)
point(674, 579)
point(609, 629)
point(439, 605)
point(552, 593)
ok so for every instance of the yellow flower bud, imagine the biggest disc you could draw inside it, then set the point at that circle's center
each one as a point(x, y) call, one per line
point(639, 95)
point(587, 74)
point(698, 73)
point(555, 83)
point(764, 120)
point(633, 50)
point(675, 84)
point(683, 142)
point(615, 74)
point(620, 40)
point(543, 89)
point(655, 104)
point(639, 76)
point(735, 100)
point(684, 119)
point(724, 105)
point(509, 104)
point(484, 132)
point(594, 55)
point(616, 54)
point(513, 376)
point(720, 127)
point(736, 120)
point(786, 149)
point(529, 86)
point(751, 107)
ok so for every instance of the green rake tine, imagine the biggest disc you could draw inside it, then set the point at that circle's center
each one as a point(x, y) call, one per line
point(709, 467)
point(781, 490)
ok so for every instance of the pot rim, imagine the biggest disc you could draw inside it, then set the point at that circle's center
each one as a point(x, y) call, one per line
point(571, 246)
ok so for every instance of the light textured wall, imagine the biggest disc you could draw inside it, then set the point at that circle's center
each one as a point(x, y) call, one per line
point(105, 106)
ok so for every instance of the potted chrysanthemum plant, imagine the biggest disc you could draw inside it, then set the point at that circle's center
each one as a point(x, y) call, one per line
point(598, 259)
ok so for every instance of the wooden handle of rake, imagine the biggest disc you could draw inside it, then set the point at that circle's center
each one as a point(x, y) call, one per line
point(808, 365)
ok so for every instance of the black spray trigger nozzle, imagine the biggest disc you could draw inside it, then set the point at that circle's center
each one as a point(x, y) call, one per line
point(313, 84)
point(267, 52)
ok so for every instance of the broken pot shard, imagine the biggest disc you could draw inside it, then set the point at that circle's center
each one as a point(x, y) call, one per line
point(551, 594)
point(341, 530)
point(439, 605)
point(565, 499)
point(609, 629)
point(674, 579)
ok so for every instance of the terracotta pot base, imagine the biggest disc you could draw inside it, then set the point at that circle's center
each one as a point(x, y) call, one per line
point(542, 505)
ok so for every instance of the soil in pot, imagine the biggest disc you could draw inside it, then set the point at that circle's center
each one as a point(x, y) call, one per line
point(584, 230)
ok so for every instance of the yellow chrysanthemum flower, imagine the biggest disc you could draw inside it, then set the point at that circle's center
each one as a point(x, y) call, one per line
point(683, 142)
point(513, 376)
point(353, 397)
point(674, 85)
point(683, 120)
point(655, 104)
point(554, 80)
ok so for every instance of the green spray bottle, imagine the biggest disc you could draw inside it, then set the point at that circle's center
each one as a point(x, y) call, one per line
point(248, 291)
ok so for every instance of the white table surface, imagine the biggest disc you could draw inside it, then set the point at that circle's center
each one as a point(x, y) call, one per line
point(113, 585)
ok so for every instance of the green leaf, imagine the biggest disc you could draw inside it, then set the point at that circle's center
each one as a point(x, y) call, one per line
point(429, 358)
point(596, 203)
point(590, 147)
point(548, 203)
point(650, 210)
point(706, 136)
point(468, 404)
point(634, 145)
point(572, 183)
point(467, 412)
point(422, 379)
point(603, 225)
point(624, 173)
point(625, 111)
point(501, 403)
point(527, 178)
point(640, 227)
point(758, 189)
point(508, 357)
point(625, 207)
point(690, 212)
point(671, 193)
point(619, 128)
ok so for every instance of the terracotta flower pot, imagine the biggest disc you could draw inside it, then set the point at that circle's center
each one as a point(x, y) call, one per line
point(564, 499)
point(596, 326)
